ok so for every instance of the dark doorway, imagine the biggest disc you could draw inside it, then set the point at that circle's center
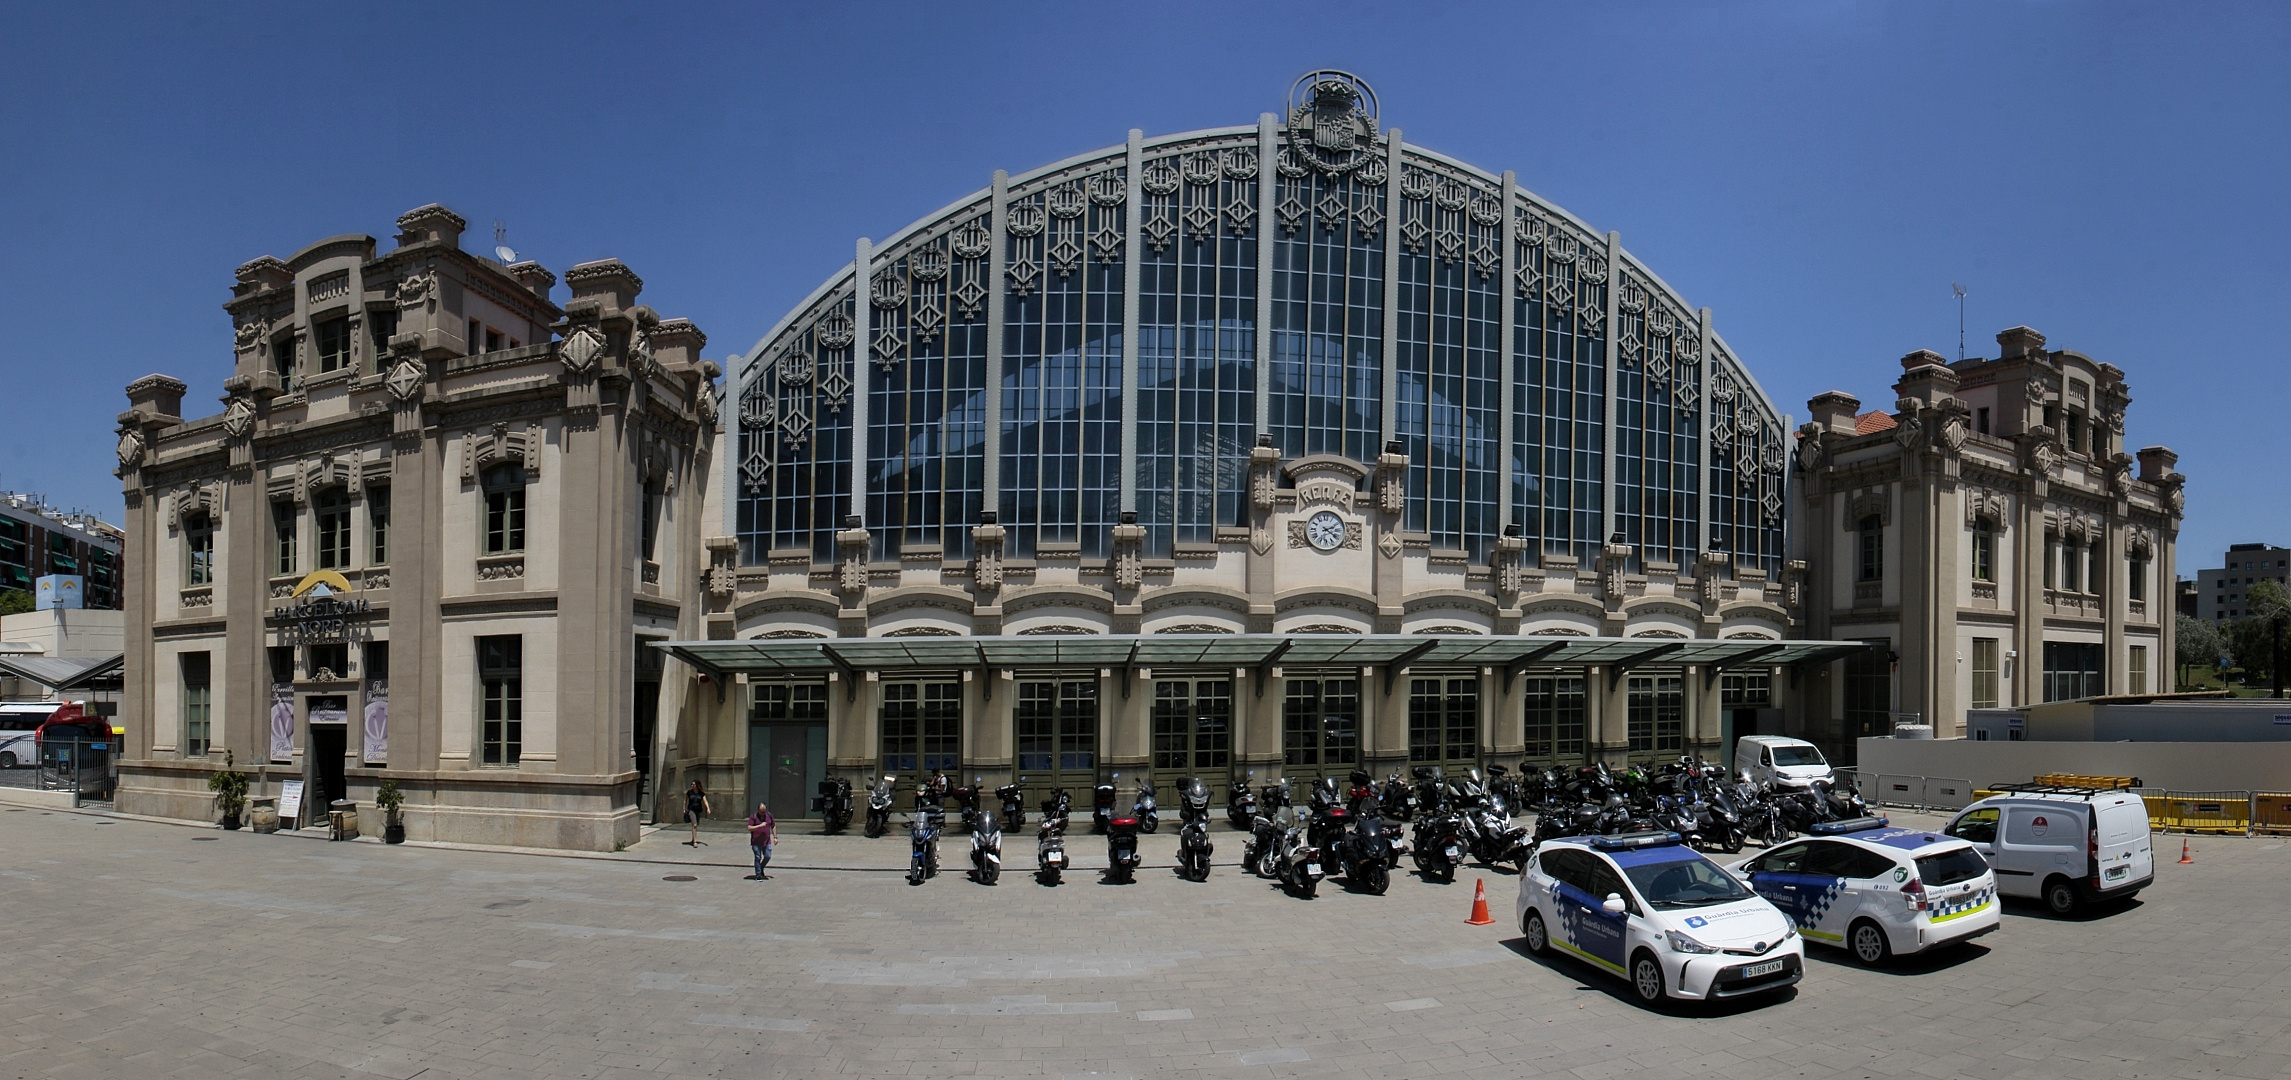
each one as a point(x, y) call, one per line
point(327, 745)
point(785, 764)
point(646, 722)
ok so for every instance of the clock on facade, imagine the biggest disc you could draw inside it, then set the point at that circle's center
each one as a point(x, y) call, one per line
point(1324, 530)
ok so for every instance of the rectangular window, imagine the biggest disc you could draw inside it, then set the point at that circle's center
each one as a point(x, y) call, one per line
point(504, 509)
point(381, 325)
point(2136, 579)
point(333, 340)
point(1745, 690)
point(1872, 549)
point(1192, 724)
point(1444, 720)
point(2075, 433)
point(1984, 551)
point(282, 361)
point(1655, 722)
point(282, 537)
point(2072, 669)
point(501, 678)
point(198, 702)
point(2136, 670)
point(1869, 692)
point(1981, 420)
point(2051, 562)
point(492, 340)
point(475, 338)
point(1556, 719)
point(1320, 723)
point(1057, 726)
point(922, 727)
point(332, 508)
point(378, 526)
point(1985, 673)
point(328, 662)
point(199, 550)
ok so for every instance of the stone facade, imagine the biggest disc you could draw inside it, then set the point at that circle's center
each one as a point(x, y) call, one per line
point(1992, 535)
point(421, 541)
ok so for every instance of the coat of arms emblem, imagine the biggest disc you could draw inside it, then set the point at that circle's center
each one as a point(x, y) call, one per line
point(1332, 121)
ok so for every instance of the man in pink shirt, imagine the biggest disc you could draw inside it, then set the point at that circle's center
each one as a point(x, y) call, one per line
point(760, 830)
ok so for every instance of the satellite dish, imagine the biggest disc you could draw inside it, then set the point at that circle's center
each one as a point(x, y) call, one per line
point(501, 248)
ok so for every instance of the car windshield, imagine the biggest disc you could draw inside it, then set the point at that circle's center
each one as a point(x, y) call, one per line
point(1797, 755)
point(1691, 882)
point(1951, 867)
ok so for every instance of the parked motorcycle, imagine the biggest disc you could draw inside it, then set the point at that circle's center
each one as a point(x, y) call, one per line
point(1366, 856)
point(1299, 861)
point(879, 806)
point(1122, 857)
point(986, 849)
point(1438, 845)
point(1488, 832)
point(1050, 840)
point(1013, 805)
point(923, 833)
point(1102, 804)
point(1397, 802)
point(1361, 796)
point(1262, 851)
point(1148, 815)
point(1329, 817)
point(1241, 803)
point(967, 799)
point(1193, 846)
point(833, 803)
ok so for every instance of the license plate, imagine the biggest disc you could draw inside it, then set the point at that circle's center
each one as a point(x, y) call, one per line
point(1312, 868)
point(2116, 873)
point(1767, 968)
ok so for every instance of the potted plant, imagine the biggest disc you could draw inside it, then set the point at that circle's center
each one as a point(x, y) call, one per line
point(389, 798)
point(230, 788)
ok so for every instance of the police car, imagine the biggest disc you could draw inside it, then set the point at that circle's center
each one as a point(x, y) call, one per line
point(1877, 891)
point(1654, 911)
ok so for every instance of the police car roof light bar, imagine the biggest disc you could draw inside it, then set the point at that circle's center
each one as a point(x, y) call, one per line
point(1849, 825)
point(1630, 840)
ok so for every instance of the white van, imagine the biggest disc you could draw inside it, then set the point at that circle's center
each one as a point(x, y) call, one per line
point(1782, 762)
point(2070, 847)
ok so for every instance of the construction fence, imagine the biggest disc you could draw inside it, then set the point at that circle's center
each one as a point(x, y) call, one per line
point(2242, 813)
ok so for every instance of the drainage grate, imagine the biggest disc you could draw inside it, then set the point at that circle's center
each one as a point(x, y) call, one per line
point(679, 877)
point(199, 838)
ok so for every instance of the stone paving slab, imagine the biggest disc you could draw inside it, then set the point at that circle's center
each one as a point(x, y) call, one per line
point(143, 949)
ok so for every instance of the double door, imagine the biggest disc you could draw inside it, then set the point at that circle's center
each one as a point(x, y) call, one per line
point(1057, 739)
point(921, 731)
point(787, 750)
point(1320, 732)
point(1192, 736)
point(1444, 723)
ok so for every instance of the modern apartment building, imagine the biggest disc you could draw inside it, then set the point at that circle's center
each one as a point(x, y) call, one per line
point(2220, 593)
point(37, 540)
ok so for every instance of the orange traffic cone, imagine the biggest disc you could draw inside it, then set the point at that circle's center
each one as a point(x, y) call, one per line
point(1480, 905)
point(2185, 858)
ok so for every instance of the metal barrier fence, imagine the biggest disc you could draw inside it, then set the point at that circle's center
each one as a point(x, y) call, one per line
point(2271, 812)
point(2231, 812)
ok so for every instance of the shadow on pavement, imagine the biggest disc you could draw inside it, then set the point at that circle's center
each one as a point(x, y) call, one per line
point(1614, 987)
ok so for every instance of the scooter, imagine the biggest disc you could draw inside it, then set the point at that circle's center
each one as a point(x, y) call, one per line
point(1261, 853)
point(1013, 804)
point(1241, 803)
point(1122, 850)
point(1193, 846)
point(833, 803)
point(1299, 862)
point(923, 833)
point(1050, 840)
point(1366, 857)
point(1148, 815)
point(1362, 793)
point(1396, 802)
point(967, 799)
point(986, 849)
point(879, 806)
point(1102, 804)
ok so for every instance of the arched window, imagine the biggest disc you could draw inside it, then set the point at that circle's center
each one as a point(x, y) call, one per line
point(333, 513)
point(1984, 550)
point(198, 549)
point(504, 508)
point(1872, 548)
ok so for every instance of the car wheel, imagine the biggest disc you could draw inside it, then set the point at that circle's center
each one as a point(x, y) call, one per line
point(7, 761)
point(1647, 978)
point(2060, 897)
point(1869, 944)
point(1538, 935)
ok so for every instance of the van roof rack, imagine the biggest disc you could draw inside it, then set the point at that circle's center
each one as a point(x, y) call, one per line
point(2054, 789)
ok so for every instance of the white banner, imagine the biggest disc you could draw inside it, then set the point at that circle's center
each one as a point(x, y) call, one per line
point(282, 722)
point(377, 745)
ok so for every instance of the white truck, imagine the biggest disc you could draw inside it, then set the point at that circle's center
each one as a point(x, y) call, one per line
point(1782, 762)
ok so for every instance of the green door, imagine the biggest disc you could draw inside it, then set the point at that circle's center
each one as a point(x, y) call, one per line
point(1192, 736)
point(1057, 739)
point(1320, 732)
point(1444, 723)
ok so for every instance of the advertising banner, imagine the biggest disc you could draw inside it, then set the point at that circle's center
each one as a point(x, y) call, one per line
point(57, 591)
point(377, 746)
point(282, 722)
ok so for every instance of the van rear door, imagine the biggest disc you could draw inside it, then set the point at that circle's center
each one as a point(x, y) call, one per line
point(2126, 855)
point(2038, 841)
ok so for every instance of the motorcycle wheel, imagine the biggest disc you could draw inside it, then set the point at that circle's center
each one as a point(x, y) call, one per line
point(1268, 863)
point(1307, 887)
point(1151, 824)
point(875, 827)
point(989, 874)
point(1374, 878)
point(1731, 842)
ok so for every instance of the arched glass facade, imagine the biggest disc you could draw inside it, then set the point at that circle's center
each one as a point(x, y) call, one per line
point(1114, 333)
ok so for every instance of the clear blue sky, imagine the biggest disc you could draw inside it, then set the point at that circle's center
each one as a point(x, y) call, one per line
point(1817, 174)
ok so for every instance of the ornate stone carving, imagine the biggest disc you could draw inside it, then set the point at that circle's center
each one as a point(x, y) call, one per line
point(986, 565)
point(1389, 544)
point(501, 568)
point(2042, 457)
point(1614, 559)
point(722, 580)
point(416, 289)
point(196, 498)
point(480, 449)
point(1982, 503)
point(1129, 554)
point(1953, 432)
point(1709, 580)
point(1810, 449)
point(250, 333)
point(130, 447)
point(405, 380)
point(851, 575)
point(1332, 121)
point(1868, 504)
point(1058, 630)
point(239, 418)
point(1908, 431)
point(1794, 583)
point(580, 350)
point(1510, 551)
point(198, 598)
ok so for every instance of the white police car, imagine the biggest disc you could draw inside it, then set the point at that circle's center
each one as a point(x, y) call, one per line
point(1877, 891)
point(1654, 911)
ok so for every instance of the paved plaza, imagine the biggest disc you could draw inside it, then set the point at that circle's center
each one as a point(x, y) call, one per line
point(136, 949)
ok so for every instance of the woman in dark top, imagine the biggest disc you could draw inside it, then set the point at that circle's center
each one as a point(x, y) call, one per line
point(695, 808)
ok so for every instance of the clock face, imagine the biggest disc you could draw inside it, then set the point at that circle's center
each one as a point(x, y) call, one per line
point(1324, 530)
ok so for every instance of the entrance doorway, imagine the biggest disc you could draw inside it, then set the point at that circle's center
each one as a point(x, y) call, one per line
point(787, 748)
point(645, 725)
point(922, 729)
point(1557, 719)
point(1057, 738)
point(329, 741)
point(1192, 736)
point(1444, 723)
point(1320, 732)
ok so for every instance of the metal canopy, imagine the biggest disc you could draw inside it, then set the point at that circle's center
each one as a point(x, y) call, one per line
point(779, 658)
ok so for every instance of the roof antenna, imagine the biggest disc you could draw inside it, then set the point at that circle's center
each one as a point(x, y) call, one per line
point(507, 255)
point(1960, 291)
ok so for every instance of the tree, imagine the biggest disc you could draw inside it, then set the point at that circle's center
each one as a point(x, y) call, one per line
point(15, 601)
point(2196, 644)
point(2271, 607)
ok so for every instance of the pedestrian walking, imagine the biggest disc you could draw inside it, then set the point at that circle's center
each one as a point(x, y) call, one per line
point(695, 808)
point(761, 833)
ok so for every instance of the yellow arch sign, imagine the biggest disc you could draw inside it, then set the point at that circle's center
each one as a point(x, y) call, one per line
point(334, 582)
